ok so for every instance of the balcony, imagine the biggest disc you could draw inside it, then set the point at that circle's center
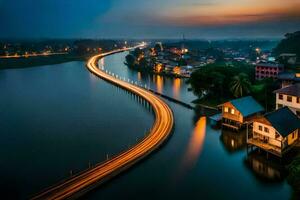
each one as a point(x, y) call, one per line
point(265, 146)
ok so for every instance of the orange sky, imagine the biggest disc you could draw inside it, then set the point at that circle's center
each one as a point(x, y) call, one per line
point(231, 12)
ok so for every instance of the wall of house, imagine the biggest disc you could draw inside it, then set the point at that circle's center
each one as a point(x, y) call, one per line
point(294, 106)
point(237, 116)
point(291, 140)
point(271, 134)
point(262, 72)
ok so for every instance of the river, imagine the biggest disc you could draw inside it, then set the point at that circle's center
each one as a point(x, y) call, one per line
point(60, 118)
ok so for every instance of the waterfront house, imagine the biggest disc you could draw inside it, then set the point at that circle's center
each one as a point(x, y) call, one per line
point(290, 97)
point(236, 113)
point(276, 132)
point(288, 78)
point(267, 70)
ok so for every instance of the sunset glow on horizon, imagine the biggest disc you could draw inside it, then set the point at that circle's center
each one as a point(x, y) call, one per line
point(150, 19)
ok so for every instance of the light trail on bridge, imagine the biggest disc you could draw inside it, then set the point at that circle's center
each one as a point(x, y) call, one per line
point(161, 129)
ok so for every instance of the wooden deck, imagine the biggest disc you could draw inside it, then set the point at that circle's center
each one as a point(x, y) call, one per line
point(230, 126)
point(271, 148)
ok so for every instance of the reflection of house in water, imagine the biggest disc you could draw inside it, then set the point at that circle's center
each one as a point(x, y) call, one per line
point(233, 141)
point(265, 169)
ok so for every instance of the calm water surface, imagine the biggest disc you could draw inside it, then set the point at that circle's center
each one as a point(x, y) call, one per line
point(59, 118)
point(198, 162)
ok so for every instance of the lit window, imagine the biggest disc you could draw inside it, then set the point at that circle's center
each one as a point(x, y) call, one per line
point(226, 109)
point(266, 130)
point(232, 111)
point(289, 98)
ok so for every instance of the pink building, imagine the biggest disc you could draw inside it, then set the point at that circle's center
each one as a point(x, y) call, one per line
point(267, 70)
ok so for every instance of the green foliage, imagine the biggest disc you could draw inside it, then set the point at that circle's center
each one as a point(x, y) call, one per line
point(130, 60)
point(215, 79)
point(137, 52)
point(290, 44)
point(262, 91)
point(216, 53)
point(240, 85)
point(222, 81)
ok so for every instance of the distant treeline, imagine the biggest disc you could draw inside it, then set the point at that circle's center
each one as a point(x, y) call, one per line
point(232, 44)
point(79, 49)
point(290, 44)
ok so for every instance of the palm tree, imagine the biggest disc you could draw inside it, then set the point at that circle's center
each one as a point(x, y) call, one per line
point(240, 85)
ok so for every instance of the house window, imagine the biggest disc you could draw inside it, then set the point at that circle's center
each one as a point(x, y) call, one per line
point(260, 128)
point(266, 130)
point(280, 96)
point(298, 99)
point(232, 111)
point(226, 109)
point(293, 135)
point(289, 98)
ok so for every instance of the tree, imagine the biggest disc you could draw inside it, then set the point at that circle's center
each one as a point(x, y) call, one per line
point(290, 44)
point(137, 52)
point(143, 63)
point(240, 85)
point(130, 60)
point(158, 47)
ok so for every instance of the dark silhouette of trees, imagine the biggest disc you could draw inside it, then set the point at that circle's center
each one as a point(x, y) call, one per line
point(290, 44)
point(130, 60)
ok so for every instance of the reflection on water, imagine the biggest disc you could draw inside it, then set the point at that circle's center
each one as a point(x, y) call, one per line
point(193, 150)
point(139, 76)
point(176, 87)
point(159, 83)
point(233, 141)
point(195, 145)
point(101, 63)
point(269, 170)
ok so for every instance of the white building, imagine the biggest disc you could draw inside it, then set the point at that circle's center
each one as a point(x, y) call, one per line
point(290, 97)
point(276, 132)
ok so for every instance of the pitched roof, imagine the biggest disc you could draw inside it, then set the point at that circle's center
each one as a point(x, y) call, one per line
point(288, 76)
point(247, 106)
point(293, 90)
point(283, 120)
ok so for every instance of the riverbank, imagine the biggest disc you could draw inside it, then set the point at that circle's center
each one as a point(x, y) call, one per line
point(24, 62)
point(152, 72)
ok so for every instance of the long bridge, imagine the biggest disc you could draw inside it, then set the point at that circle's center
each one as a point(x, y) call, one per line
point(161, 129)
